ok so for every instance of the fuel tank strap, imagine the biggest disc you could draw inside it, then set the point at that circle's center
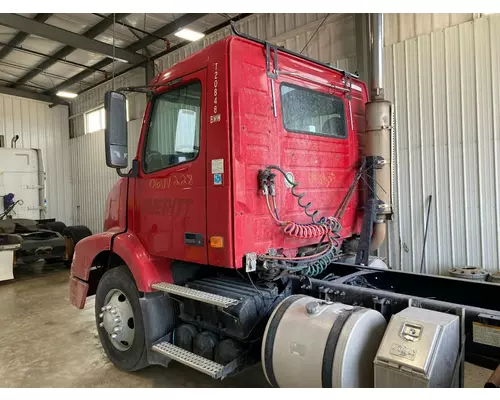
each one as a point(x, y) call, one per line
point(271, 335)
point(331, 346)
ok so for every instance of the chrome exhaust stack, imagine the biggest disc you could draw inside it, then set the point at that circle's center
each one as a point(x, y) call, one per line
point(378, 120)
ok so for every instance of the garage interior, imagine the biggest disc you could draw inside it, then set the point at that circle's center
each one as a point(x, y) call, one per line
point(440, 72)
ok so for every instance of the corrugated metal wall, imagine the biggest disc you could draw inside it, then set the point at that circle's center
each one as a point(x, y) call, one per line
point(446, 91)
point(41, 127)
point(95, 98)
point(92, 179)
point(401, 27)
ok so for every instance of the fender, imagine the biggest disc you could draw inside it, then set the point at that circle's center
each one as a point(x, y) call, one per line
point(145, 269)
point(86, 251)
point(84, 255)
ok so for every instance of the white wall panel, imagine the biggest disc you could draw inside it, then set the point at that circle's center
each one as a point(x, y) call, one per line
point(41, 127)
point(401, 27)
point(92, 179)
point(445, 88)
point(95, 98)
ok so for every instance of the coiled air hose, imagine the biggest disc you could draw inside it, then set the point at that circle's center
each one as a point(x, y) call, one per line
point(307, 265)
point(293, 185)
point(323, 227)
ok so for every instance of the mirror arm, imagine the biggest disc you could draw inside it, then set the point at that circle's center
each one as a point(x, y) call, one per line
point(134, 171)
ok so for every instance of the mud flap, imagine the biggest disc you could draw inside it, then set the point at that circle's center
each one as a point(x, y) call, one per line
point(159, 313)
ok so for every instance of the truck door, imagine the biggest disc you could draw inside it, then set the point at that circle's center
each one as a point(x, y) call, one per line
point(170, 206)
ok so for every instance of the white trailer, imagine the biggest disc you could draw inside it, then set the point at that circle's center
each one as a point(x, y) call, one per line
point(25, 235)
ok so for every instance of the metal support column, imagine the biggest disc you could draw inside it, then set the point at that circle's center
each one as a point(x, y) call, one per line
point(370, 211)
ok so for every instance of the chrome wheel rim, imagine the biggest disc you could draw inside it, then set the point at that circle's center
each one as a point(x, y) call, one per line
point(117, 319)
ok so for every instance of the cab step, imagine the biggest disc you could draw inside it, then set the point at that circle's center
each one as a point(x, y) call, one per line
point(192, 360)
point(205, 297)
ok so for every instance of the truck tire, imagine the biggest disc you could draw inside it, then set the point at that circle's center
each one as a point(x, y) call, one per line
point(55, 226)
point(118, 313)
point(77, 232)
point(73, 235)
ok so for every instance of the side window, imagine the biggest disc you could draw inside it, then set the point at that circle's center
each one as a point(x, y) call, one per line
point(312, 112)
point(95, 120)
point(174, 129)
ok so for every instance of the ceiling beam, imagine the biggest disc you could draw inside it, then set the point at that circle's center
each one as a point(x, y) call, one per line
point(207, 32)
point(55, 34)
point(31, 95)
point(166, 30)
point(134, 28)
point(91, 33)
point(44, 56)
point(20, 36)
point(172, 49)
point(78, 77)
point(36, 87)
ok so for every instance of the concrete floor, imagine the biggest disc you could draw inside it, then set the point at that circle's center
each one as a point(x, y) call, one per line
point(45, 342)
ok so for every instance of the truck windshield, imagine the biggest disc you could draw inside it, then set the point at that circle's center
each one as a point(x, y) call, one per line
point(312, 112)
point(174, 129)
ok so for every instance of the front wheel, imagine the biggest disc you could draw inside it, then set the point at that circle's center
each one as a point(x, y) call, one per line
point(119, 320)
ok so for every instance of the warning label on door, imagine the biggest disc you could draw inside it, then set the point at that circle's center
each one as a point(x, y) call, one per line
point(218, 166)
point(486, 334)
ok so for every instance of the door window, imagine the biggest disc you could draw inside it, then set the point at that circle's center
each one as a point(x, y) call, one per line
point(174, 129)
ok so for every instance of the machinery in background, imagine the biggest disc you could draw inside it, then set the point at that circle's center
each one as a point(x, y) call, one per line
point(25, 235)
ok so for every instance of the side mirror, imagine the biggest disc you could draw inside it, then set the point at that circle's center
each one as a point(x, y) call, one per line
point(116, 143)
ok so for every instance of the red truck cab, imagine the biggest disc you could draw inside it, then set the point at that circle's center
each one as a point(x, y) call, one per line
point(215, 120)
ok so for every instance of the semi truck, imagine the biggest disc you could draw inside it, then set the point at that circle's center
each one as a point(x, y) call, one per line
point(244, 232)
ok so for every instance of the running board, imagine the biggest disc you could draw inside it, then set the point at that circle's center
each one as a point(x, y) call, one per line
point(205, 297)
point(202, 364)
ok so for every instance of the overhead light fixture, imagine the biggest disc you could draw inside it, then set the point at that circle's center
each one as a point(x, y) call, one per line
point(121, 60)
point(67, 95)
point(188, 34)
